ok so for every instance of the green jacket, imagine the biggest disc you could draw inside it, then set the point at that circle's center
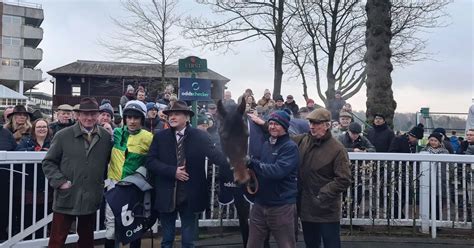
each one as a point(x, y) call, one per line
point(68, 159)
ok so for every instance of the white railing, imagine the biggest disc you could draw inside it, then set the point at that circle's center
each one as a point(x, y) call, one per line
point(388, 189)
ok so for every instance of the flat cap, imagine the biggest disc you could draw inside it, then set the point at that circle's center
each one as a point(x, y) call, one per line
point(319, 115)
point(65, 107)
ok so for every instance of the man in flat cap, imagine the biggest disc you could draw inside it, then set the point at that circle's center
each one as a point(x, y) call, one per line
point(64, 118)
point(324, 174)
point(75, 166)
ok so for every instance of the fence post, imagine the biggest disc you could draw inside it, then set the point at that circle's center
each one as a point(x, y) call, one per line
point(433, 173)
point(425, 196)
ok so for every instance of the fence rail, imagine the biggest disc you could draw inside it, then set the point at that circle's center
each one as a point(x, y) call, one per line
point(423, 190)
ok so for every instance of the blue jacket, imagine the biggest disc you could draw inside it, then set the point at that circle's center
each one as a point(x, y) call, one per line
point(27, 143)
point(277, 172)
point(162, 164)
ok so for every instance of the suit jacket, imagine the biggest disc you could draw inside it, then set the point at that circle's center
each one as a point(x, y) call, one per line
point(68, 160)
point(162, 163)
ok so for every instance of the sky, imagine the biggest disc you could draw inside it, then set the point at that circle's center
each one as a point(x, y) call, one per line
point(445, 83)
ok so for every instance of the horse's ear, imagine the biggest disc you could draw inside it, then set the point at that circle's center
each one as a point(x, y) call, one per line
point(221, 109)
point(242, 107)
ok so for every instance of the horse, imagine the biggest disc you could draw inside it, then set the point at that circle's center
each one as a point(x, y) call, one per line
point(234, 136)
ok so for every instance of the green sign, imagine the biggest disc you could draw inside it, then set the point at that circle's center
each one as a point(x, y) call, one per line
point(425, 112)
point(192, 64)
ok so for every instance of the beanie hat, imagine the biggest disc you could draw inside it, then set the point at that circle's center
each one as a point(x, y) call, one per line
point(202, 119)
point(355, 127)
point(150, 106)
point(279, 98)
point(437, 136)
point(135, 108)
point(281, 117)
point(106, 106)
point(379, 115)
point(417, 131)
point(440, 130)
point(267, 91)
point(130, 88)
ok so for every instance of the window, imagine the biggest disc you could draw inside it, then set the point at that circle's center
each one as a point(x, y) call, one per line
point(11, 41)
point(76, 90)
point(11, 62)
point(12, 19)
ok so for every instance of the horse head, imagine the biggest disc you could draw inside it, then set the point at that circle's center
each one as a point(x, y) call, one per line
point(234, 136)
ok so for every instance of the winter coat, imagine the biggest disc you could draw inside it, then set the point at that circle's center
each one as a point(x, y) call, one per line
point(381, 137)
point(68, 160)
point(56, 126)
point(293, 107)
point(162, 163)
point(324, 173)
point(400, 144)
point(277, 172)
point(29, 144)
point(361, 143)
point(470, 150)
point(7, 142)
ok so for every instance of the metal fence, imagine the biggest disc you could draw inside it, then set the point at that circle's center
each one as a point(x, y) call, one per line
point(423, 190)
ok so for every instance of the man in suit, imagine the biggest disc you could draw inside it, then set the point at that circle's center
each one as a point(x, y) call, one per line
point(177, 160)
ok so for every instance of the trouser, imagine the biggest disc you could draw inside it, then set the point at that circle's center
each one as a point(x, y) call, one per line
point(328, 232)
point(277, 220)
point(188, 227)
point(60, 230)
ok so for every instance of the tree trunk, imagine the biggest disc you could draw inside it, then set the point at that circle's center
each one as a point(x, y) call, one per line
point(278, 67)
point(379, 82)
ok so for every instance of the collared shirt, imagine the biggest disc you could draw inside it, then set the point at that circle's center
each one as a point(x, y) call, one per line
point(180, 134)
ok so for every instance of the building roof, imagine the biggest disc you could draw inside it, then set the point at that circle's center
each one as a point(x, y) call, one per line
point(40, 95)
point(7, 93)
point(121, 69)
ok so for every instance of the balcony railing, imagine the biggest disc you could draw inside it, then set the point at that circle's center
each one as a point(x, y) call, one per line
point(421, 190)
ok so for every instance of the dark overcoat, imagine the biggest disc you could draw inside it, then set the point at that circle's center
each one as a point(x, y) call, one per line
point(162, 162)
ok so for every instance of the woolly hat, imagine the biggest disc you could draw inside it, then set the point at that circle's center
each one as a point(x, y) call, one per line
point(266, 91)
point(379, 115)
point(355, 127)
point(279, 98)
point(417, 131)
point(135, 108)
point(150, 106)
point(202, 119)
point(281, 117)
point(440, 130)
point(106, 106)
point(437, 136)
point(130, 88)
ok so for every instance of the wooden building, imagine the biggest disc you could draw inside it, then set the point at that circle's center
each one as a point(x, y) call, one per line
point(102, 79)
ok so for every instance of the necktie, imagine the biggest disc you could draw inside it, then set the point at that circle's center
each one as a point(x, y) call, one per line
point(180, 149)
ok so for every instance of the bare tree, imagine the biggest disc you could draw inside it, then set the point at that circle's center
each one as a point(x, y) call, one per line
point(146, 33)
point(243, 21)
point(336, 31)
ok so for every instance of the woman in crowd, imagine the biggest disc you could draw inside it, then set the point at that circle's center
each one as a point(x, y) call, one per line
point(19, 122)
point(39, 139)
point(251, 105)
